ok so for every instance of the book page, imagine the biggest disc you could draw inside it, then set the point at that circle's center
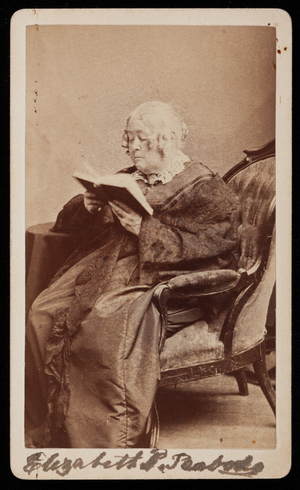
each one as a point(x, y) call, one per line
point(112, 183)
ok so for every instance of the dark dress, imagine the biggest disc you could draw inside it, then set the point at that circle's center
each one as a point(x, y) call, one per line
point(92, 357)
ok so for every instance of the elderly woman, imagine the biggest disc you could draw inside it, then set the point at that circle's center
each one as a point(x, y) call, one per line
point(92, 356)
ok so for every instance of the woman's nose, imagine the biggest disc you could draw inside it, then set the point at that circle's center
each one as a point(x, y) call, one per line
point(136, 144)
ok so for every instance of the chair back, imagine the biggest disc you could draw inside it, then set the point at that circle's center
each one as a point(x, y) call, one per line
point(253, 180)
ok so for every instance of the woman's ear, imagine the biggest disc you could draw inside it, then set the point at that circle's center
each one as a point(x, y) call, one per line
point(163, 142)
point(165, 138)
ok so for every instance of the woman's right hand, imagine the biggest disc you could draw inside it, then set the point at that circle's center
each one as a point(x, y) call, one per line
point(92, 202)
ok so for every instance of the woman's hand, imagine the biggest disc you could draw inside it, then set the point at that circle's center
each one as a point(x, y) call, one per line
point(92, 202)
point(128, 218)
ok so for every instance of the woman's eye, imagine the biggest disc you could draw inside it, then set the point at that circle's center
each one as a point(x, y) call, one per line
point(131, 139)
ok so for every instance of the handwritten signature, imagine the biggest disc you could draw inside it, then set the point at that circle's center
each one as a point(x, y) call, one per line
point(40, 461)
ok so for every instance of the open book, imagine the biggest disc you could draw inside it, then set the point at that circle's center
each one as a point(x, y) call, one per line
point(116, 187)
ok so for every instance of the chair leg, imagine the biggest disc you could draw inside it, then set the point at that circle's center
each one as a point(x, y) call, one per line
point(241, 379)
point(263, 378)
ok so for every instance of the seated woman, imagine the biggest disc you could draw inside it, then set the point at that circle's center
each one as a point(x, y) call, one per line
point(92, 355)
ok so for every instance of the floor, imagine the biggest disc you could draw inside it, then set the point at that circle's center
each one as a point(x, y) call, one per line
point(211, 414)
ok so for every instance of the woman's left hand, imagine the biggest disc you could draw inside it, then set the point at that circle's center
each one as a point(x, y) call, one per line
point(128, 218)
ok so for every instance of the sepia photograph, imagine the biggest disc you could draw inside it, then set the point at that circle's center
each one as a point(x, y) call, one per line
point(151, 166)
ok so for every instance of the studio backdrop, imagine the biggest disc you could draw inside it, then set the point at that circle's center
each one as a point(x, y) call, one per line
point(82, 82)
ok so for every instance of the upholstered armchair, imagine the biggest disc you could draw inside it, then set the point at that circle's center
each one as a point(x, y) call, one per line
point(235, 338)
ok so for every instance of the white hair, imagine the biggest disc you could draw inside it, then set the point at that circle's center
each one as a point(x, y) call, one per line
point(158, 116)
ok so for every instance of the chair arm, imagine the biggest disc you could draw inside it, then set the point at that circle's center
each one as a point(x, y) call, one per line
point(201, 283)
point(205, 282)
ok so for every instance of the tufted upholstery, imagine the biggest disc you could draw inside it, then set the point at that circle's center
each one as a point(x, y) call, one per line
point(255, 186)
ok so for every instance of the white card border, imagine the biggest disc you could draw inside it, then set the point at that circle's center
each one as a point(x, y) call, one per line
point(276, 462)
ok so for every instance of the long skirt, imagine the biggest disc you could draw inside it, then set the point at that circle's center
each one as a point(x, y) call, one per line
point(114, 363)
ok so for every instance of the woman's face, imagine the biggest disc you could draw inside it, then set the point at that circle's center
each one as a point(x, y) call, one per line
point(144, 149)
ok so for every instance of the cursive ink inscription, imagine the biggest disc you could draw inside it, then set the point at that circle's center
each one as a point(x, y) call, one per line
point(41, 462)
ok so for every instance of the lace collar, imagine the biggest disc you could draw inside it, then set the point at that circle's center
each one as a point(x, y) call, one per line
point(167, 174)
